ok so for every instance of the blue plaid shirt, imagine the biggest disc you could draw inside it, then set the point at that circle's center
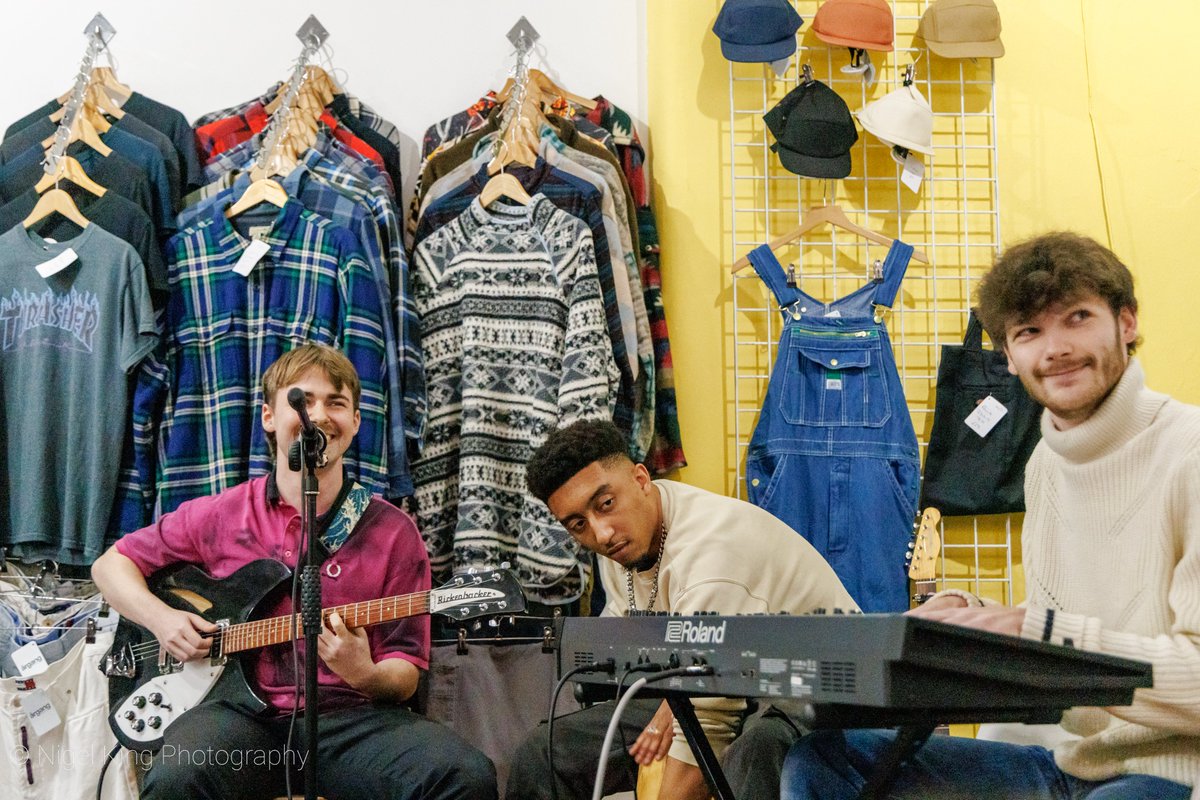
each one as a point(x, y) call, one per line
point(222, 332)
point(360, 178)
point(344, 210)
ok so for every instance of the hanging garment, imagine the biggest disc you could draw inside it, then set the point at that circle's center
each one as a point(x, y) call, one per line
point(64, 762)
point(834, 454)
point(514, 333)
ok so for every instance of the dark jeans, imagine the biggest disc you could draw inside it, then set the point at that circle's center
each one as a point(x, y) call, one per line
point(751, 764)
point(366, 753)
point(832, 765)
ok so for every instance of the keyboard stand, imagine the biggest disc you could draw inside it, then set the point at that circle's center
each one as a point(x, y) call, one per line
point(908, 741)
point(714, 776)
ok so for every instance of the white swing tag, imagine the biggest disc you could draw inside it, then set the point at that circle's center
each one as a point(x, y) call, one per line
point(985, 416)
point(780, 67)
point(29, 660)
point(914, 172)
point(57, 264)
point(42, 716)
point(252, 255)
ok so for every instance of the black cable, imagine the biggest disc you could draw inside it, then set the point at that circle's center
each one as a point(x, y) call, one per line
point(608, 666)
point(104, 768)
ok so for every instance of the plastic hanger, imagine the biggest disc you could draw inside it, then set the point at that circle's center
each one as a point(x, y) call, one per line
point(55, 201)
point(69, 169)
point(835, 216)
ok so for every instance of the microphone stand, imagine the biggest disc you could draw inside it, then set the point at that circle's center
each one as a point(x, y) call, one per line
point(311, 445)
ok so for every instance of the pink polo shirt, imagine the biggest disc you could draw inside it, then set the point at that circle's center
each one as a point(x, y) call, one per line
point(384, 556)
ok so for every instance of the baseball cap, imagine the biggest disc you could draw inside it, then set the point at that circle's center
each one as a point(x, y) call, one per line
point(865, 24)
point(962, 29)
point(757, 30)
point(814, 131)
point(901, 117)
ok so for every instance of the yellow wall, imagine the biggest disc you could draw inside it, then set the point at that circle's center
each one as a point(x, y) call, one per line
point(1136, 80)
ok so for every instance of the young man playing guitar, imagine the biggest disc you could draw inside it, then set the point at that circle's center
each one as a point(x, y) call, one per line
point(369, 747)
point(1111, 544)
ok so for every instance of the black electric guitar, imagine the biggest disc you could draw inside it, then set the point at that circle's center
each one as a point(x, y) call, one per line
point(149, 689)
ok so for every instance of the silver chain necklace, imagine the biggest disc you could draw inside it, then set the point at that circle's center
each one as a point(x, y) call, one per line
point(633, 609)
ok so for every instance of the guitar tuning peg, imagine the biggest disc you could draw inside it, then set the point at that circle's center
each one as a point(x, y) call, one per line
point(476, 626)
point(493, 623)
point(505, 565)
point(458, 581)
point(472, 571)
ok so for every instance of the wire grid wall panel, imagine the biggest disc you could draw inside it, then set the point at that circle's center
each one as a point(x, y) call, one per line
point(954, 219)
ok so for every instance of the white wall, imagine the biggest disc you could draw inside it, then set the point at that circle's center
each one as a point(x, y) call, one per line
point(414, 61)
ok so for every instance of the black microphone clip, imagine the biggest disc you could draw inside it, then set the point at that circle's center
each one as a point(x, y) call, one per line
point(312, 438)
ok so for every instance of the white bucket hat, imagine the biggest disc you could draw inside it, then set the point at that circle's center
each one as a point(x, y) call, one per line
point(902, 117)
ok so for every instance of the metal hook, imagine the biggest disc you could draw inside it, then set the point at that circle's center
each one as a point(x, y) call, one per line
point(910, 73)
point(807, 76)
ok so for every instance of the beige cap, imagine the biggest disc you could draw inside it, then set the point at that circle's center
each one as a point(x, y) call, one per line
point(902, 117)
point(962, 29)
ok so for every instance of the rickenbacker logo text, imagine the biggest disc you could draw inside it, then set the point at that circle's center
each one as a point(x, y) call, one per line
point(454, 597)
point(684, 630)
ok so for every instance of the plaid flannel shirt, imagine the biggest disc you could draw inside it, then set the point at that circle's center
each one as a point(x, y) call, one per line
point(347, 170)
point(202, 388)
point(346, 211)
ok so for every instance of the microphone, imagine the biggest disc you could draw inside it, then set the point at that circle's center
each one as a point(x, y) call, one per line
point(299, 404)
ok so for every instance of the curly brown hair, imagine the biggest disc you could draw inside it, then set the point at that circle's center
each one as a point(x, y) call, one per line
point(1058, 267)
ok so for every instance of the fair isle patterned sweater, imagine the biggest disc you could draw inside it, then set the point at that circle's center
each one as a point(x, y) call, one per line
point(515, 343)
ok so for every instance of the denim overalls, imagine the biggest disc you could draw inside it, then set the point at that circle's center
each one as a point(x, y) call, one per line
point(834, 454)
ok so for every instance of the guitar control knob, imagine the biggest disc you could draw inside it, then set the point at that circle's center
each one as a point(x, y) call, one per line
point(139, 702)
point(156, 722)
point(155, 698)
point(129, 715)
point(139, 725)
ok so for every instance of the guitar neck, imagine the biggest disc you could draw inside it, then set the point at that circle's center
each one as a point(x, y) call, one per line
point(276, 630)
point(923, 590)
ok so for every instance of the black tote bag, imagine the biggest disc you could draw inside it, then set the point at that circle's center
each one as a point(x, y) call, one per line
point(966, 474)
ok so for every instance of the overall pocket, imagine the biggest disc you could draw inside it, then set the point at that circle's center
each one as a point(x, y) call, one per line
point(835, 379)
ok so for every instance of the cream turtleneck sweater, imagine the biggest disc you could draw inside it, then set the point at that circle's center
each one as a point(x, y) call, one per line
point(1111, 549)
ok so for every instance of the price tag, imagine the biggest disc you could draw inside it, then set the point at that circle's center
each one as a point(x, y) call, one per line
point(29, 660)
point(40, 710)
point(914, 172)
point(57, 264)
point(252, 255)
point(780, 67)
point(985, 416)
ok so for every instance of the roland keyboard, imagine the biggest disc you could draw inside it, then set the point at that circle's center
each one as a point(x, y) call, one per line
point(854, 670)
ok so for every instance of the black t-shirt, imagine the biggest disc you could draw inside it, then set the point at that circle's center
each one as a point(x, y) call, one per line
point(112, 212)
point(175, 127)
point(114, 172)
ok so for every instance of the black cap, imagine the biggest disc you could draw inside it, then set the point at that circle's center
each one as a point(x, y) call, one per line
point(813, 131)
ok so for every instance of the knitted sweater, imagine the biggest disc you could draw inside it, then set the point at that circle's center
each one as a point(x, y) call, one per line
point(1111, 548)
point(515, 345)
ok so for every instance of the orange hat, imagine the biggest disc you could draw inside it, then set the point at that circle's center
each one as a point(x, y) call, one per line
point(865, 24)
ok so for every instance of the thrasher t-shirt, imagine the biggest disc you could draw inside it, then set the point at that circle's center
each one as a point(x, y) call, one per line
point(68, 342)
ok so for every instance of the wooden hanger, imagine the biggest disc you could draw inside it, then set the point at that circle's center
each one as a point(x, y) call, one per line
point(68, 169)
point(518, 145)
point(548, 87)
point(96, 102)
point(83, 131)
point(835, 217)
point(262, 190)
point(106, 78)
point(55, 200)
point(504, 185)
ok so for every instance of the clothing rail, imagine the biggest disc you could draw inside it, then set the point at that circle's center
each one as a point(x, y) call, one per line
point(523, 36)
point(312, 36)
point(99, 32)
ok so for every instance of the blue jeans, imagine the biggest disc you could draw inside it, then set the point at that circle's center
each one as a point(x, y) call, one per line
point(832, 765)
point(834, 454)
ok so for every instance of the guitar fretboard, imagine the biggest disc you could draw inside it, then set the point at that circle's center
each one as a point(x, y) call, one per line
point(276, 630)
